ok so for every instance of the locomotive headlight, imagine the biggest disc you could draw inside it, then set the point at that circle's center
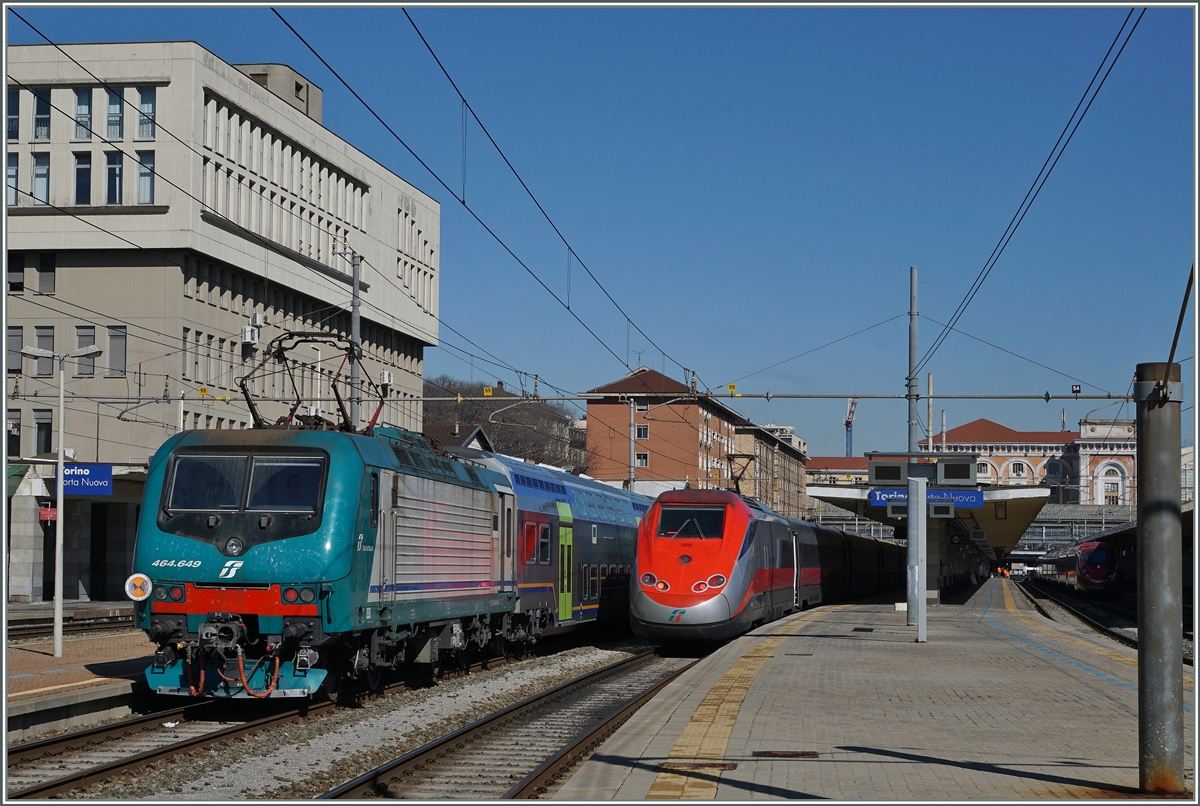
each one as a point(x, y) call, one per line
point(290, 595)
point(716, 581)
point(176, 593)
point(308, 595)
point(138, 587)
point(234, 546)
point(160, 593)
point(649, 579)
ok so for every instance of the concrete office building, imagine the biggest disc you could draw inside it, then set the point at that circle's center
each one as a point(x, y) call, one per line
point(179, 212)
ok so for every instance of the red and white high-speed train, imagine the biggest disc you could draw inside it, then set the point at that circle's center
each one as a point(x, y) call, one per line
point(713, 564)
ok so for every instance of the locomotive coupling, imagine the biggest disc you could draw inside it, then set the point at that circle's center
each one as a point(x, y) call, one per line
point(164, 656)
point(222, 630)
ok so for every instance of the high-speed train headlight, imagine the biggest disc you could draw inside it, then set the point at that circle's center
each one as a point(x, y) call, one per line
point(700, 587)
point(139, 587)
point(662, 585)
point(716, 581)
point(649, 579)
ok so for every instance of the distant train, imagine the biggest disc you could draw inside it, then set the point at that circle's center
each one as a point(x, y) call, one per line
point(712, 565)
point(284, 559)
point(1090, 567)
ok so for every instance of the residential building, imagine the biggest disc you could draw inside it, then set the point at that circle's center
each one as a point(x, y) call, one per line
point(768, 465)
point(180, 212)
point(656, 431)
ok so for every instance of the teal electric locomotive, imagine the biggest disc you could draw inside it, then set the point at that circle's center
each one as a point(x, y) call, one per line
point(283, 560)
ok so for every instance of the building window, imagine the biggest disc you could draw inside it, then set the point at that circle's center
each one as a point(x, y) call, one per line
point(196, 357)
point(642, 431)
point(116, 352)
point(83, 114)
point(14, 104)
point(146, 103)
point(45, 341)
point(184, 353)
point(116, 114)
point(1053, 468)
point(46, 272)
point(16, 337)
point(145, 177)
point(208, 365)
point(16, 272)
point(85, 336)
point(83, 178)
point(1018, 470)
point(11, 178)
point(43, 421)
point(1112, 493)
point(114, 161)
point(41, 178)
point(642, 404)
point(14, 432)
point(982, 469)
point(642, 459)
point(41, 114)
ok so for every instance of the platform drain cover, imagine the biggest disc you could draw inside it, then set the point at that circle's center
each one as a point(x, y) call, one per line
point(697, 765)
point(863, 629)
point(785, 754)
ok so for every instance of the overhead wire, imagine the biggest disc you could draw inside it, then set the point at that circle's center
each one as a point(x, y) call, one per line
point(570, 249)
point(1036, 188)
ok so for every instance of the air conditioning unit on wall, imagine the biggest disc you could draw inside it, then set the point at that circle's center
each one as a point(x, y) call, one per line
point(249, 334)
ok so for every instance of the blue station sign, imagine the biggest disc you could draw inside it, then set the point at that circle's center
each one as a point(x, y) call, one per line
point(962, 499)
point(87, 480)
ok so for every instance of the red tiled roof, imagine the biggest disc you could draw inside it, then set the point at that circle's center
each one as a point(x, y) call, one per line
point(642, 381)
point(985, 432)
point(847, 463)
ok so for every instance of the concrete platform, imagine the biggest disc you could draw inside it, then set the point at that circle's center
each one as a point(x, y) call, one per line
point(840, 703)
point(98, 676)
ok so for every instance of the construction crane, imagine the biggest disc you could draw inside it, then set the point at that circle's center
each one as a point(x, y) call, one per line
point(851, 404)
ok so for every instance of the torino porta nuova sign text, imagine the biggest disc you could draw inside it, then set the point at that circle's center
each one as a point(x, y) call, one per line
point(87, 479)
point(962, 499)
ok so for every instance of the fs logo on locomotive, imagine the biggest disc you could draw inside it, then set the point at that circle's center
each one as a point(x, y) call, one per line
point(676, 616)
point(230, 569)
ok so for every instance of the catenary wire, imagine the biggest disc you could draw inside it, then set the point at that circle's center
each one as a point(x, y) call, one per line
point(1039, 182)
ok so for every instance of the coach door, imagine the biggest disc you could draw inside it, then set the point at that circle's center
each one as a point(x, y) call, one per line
point(507, 566)
point(795, 569)
point(385, 537)
point(566, 565)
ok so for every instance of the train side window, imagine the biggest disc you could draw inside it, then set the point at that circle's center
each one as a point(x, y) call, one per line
point(374, 499)
point(544, 545)
point(591, 505)
point(594, 581)
point(530, 542)
point(595, 532)
point(395, 490)
point(569, 565)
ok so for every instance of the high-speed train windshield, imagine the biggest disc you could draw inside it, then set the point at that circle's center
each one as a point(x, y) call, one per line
point(691, 521)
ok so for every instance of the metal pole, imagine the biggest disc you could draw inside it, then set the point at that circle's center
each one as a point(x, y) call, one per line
point(632, 436)
point(1159, 579)
point(914, 444)
point(914, 430)
point(917, 522)
point(916, 503)
point(929, 414)
point(181, 423)
point(355, 338)
point(943, 430)
point(58, 517)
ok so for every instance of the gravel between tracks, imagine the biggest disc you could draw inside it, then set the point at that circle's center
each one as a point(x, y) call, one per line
point(302, 760)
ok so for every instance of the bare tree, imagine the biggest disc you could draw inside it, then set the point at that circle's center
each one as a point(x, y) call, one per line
point(517, 425)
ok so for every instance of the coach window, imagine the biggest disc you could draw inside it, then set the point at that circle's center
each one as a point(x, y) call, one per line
point(594, 582)
point(530, 543)
point(544, 545)
point(591, 505)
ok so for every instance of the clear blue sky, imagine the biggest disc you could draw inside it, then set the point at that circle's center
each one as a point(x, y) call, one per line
point(750, 184)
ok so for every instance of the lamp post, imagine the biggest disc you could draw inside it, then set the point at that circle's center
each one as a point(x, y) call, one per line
point(318, 391)
point(90, 351)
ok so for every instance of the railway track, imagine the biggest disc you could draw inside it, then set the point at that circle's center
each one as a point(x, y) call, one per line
point(70, 761)
point(1087, 616)
point(45, 629)
point(521, 751)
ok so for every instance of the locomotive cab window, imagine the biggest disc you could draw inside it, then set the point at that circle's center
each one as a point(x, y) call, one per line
point(208, 482)
point(688, 521)
point(286, 484)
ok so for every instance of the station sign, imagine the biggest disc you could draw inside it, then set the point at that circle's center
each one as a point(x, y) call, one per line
point(962, 499)
point(86, 480)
